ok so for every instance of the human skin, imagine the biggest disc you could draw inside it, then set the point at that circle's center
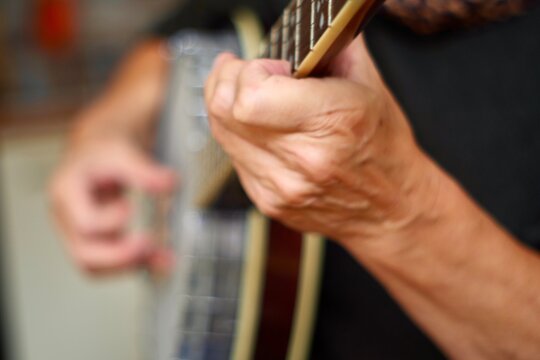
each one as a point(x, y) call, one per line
point(107, 154)
point(337, 156)
point(343, 162)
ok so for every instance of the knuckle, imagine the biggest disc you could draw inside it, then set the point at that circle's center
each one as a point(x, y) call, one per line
point(324, 176)
point(295, 195)
point(320, 166)
point(269, 205)
point(359, 113)
point(221, 102)
point(269, 210)
point(244, 106)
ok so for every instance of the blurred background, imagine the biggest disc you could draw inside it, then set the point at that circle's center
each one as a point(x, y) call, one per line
point(54, 56)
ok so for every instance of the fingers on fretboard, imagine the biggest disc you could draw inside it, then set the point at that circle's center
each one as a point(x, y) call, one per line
point(299, 29)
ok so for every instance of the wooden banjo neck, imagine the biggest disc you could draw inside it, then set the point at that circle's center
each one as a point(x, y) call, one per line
point(311, 32)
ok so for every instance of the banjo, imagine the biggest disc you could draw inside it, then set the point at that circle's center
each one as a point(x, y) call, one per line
point(243, 286)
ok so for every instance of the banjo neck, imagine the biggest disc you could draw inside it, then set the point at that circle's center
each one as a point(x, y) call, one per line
point(310, 33)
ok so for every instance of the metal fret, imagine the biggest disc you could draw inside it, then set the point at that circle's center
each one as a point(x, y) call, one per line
point(303, 41)
point(276, 39)
point(297, 34)
point(319, 20)
point(289, 34)
point(293, 28)
point(265, 49)
point(285, 38)
point(312, 28)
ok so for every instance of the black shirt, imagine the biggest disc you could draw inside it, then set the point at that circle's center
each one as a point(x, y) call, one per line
point(471, 97)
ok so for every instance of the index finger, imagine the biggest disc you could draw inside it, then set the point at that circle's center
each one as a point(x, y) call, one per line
point(268, 96)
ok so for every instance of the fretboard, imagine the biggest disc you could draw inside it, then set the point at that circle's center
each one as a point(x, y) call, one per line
point(310, 32)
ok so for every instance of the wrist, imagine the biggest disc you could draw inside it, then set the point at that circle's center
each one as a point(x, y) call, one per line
point(432, 204)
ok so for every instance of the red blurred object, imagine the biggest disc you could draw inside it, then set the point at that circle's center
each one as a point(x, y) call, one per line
point(55, 25)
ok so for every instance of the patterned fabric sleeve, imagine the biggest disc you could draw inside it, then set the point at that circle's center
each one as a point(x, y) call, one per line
point(431, 16)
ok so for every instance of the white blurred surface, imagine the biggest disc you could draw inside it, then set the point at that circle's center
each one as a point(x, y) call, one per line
point(55, 312)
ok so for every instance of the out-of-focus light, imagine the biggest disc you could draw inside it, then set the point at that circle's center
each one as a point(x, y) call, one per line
point(55, 25)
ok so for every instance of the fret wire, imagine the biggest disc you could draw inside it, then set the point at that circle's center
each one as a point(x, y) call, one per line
point(291, 47)
point(264, 48)
point(276, 39)
point(273, 44)
point(297, 34)
point(330, 12)
point(285, 33)
point(303, 46)
point(319, 21)
point(312, 26)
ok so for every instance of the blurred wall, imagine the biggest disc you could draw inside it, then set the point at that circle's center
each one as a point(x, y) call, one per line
point(63, 50)
point(53, 312)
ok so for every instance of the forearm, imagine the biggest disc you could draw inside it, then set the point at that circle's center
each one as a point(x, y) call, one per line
point(131, 102)
point(462, 278)
point(106, 159)
point(342, 162)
